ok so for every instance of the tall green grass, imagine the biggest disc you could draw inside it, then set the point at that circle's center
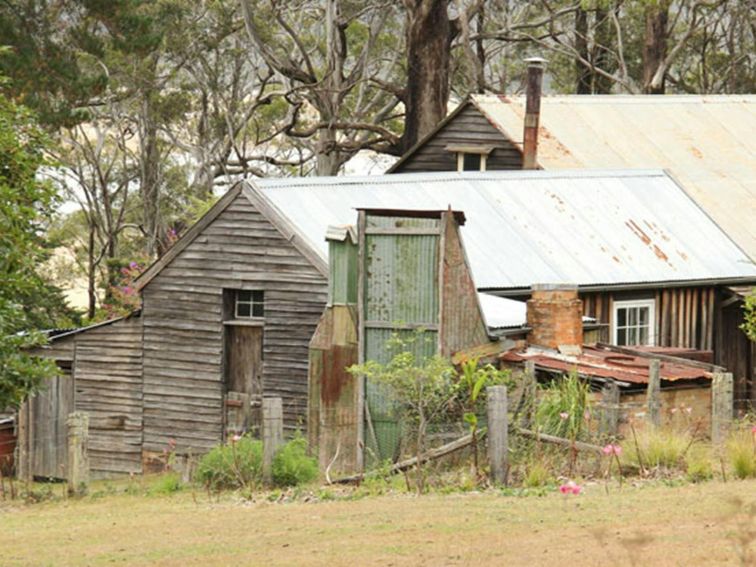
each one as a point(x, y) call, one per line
point(741, 453)
point(562, 407)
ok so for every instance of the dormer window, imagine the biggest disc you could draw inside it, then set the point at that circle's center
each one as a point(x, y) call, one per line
point(470, 157)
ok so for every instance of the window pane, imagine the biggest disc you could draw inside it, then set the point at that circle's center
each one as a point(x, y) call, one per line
point(257, 296)
point(621, 317)
point(643, 315)
point(471, 162)
point(632, 316)
point(621, 338)
point(243, 295)
point(257, 310)
point(242, 310)
point(632, 336)
point(643, 336)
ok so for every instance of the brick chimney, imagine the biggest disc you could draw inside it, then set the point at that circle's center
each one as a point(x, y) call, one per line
point(555, 316)
point(532, 112)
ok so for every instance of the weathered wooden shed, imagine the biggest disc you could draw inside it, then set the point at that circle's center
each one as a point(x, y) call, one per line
point(101, 374)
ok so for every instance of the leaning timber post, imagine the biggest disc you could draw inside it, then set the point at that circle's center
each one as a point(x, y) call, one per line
point(721, 406)
point(610, 405)
point(529, 388)
point(498, 434)
point(653, 394)
point(272, 409)
point(78, 452)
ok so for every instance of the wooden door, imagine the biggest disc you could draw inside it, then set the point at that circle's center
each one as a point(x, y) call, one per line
point(243, 379)
point(47, 430)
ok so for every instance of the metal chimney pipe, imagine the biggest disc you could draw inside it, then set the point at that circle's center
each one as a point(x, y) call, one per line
point(532, 112)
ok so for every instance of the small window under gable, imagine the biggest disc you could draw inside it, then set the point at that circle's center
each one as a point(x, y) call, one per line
point(634, 323)
point(249, 304)
point(470, 157)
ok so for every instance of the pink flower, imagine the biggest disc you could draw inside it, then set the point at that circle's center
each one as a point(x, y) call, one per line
point(236, 438)
point(564, 415)
point(570, 488)
point(753, 429)
point(673, 410)
point(689, 410)
point(611, 449)
point(133, 265)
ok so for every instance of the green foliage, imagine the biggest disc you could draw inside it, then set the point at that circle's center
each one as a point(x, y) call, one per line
point(237, 464)
point(292, 466)
point(168, 483)
point(537, 474)
point(25, 203)
point(422, 386)
point(741, 453)
point(698, 465)
point(749, 316)
point(563, 406)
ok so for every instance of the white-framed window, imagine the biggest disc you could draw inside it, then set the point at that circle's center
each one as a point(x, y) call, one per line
point(471, 161)
point(249, 304)
point(634, 322)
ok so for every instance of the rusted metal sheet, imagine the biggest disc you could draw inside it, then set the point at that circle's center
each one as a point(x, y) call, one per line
point(604, 363)
point(707, 143)
point(592, 228)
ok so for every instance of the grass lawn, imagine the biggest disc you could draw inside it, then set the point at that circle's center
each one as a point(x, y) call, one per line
point(652, 525)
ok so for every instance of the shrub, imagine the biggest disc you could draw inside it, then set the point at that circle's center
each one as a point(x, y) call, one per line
point(235, 465)
point(292, 466)
point(741, 453)
point(663, 448)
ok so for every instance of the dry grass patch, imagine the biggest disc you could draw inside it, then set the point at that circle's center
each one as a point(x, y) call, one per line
point(652, 525)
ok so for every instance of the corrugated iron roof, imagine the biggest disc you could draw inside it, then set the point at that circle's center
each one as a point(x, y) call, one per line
point(525, 227)
point(603, 363)
point(707, 142)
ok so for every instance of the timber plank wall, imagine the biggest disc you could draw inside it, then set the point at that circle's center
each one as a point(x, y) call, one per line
point(184, 331)
point(470, 126)
point(108, 386)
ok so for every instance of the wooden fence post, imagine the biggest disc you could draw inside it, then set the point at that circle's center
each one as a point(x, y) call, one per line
point(721, 406)
point(78, 452)
point(653, 394)
point(529, 388)
point(272, 433)
point(498, 433)
point(23, 444)
point(610, 405)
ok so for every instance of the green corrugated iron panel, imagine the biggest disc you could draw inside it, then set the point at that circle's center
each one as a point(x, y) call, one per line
point(342, 281)
point(402, 278)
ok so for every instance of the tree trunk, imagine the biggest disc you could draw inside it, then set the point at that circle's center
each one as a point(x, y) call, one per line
point(583, 84)
point(150, 178)
point(655, 44)
point(602, 58)
point(429, 37)
point(91, 271)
